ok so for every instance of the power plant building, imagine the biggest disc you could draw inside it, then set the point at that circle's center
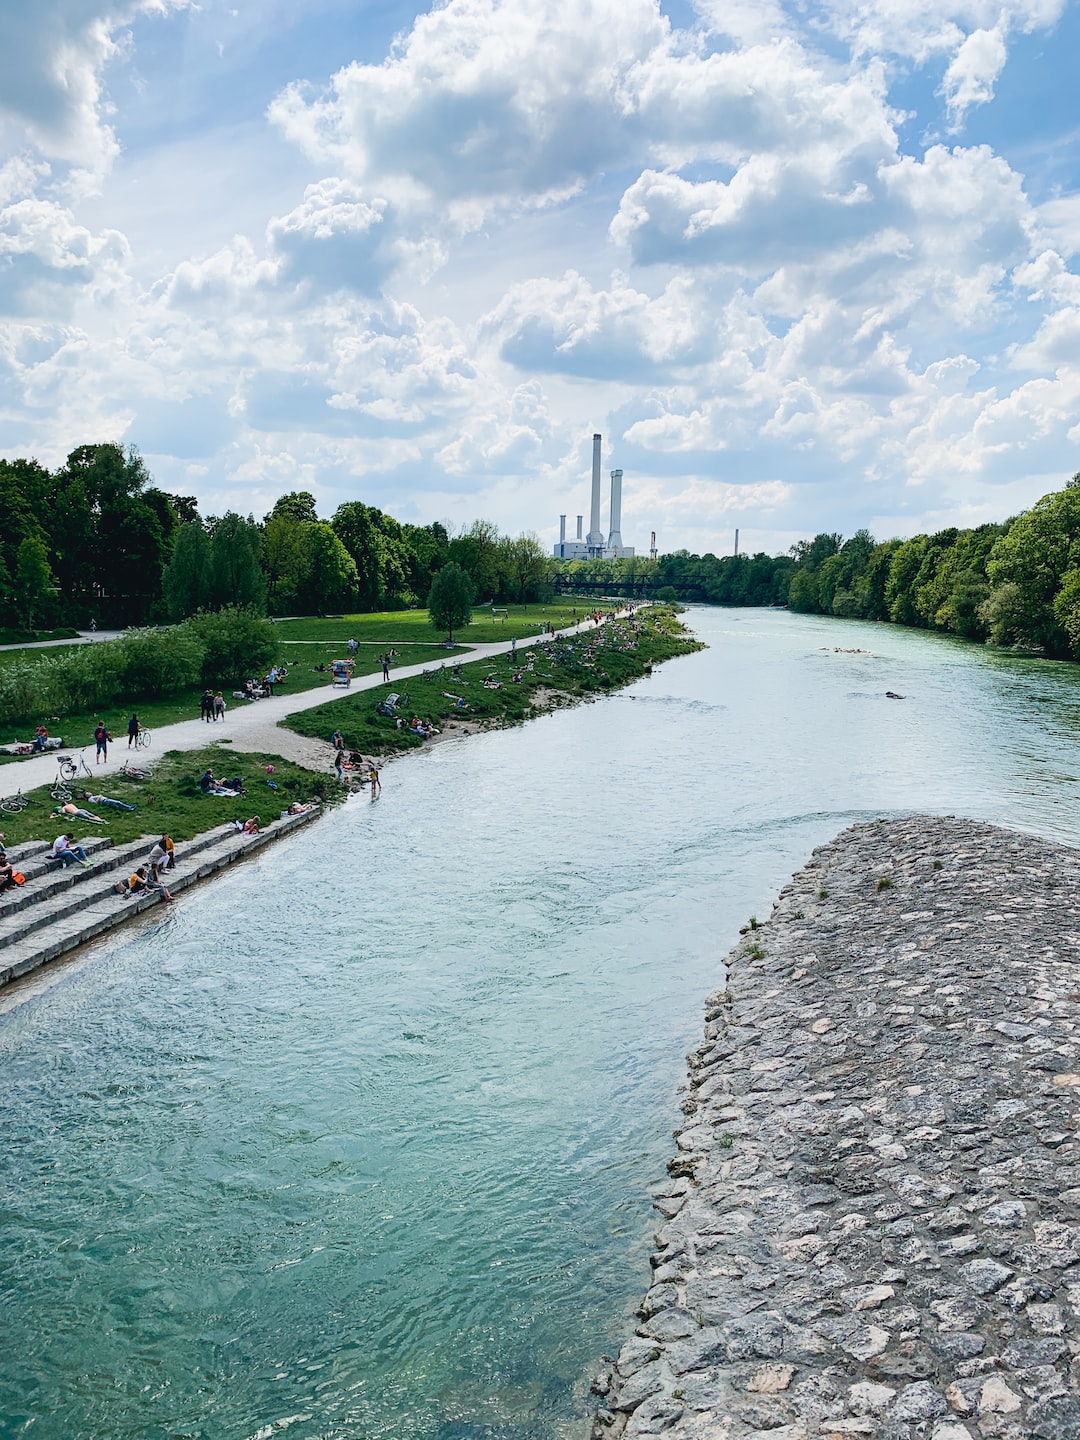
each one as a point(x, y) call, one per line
point(594, 546)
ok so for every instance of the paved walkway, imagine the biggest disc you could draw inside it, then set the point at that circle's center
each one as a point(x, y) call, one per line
point(244, 718)
point(84, 637)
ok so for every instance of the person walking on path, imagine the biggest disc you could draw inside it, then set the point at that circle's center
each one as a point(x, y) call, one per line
point(133, 729)
point(219, 706)
point(101, 740)
point(386, 667)
point(206, 706)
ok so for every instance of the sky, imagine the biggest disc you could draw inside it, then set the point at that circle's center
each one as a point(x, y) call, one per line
point(805, 266)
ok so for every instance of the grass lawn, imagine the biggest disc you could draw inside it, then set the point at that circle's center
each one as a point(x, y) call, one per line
point(400, 627)
point(78, 730)
point(591, 663)
point(35, 652)
point(170, 802)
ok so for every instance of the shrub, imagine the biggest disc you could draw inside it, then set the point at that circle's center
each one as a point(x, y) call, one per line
point(236, 644)
point(154, 663)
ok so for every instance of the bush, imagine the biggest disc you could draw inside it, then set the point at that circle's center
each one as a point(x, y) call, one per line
point(154, 663)
point(235, 643)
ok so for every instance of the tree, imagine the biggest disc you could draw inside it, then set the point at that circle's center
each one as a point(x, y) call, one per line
point(477, 551)
point(1040, 549)
point(298, 505)
point(236, 550)
point(33, 580)
point(235, 644)
point(187, 580)
point(285, 562)
point(450, 599)
point(331, 581)
point(526, 567)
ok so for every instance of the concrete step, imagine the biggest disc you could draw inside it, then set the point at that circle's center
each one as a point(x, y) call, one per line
point(35, 858)
point(102, 909)
point(65, 892)
point(44, 882)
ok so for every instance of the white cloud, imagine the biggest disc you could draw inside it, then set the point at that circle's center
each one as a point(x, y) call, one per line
point(486, 100)
point(49, 263)
point(921, 29)
point(973, 72)
point(51, 65)
point(716, 243)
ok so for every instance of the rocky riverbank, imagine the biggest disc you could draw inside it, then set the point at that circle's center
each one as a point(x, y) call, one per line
point(872, 1224)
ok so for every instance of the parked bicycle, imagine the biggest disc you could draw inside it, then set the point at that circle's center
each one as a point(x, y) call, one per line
point(69, 768)
point(15, 804)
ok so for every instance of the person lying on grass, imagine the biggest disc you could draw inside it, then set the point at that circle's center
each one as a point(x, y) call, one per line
point(107, 800)
point(69, 809)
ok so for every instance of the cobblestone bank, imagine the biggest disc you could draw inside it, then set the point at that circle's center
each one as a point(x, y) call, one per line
point(872, 1226)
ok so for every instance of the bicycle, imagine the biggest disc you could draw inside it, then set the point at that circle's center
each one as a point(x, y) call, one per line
point(136, 772)
point(15, 804)
point(69, 768)
point(142, 739)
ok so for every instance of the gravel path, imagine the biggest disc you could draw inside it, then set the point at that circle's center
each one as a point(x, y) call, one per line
point(872, 1226)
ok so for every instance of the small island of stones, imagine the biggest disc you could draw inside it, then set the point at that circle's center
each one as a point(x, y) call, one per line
point(872, 1223)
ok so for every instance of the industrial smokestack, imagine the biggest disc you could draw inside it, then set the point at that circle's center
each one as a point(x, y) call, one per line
point(562, 529)
point(580, 518)
point(615, 538)
point(595, 538)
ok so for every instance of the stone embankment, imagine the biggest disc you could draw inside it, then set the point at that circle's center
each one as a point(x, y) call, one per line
point(872, 1226)
point(59, 909)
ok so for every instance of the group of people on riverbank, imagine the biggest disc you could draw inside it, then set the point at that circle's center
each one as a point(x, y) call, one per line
point(362, 771)
point(146, 879)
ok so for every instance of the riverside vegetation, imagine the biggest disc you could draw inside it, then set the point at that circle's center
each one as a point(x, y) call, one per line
point(508, 689)
point(561, 671)
point(97, 539)
point(159, 673)
point(169, 801)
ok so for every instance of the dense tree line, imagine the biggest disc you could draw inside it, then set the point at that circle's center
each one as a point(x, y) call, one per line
point(1013, 583)
point(97, 540)
point(91, 538)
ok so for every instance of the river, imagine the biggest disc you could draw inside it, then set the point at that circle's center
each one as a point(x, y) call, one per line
point(356, 1142)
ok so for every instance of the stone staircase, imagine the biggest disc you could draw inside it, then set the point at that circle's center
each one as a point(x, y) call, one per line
point(60, 908)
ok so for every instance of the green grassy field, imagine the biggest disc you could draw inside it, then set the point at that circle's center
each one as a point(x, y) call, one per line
point(78, 730)
point(591, 663)
point(34, 652)
point(399, 627)
point(170, 802)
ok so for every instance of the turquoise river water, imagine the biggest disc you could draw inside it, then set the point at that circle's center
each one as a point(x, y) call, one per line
point(357, 1140)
